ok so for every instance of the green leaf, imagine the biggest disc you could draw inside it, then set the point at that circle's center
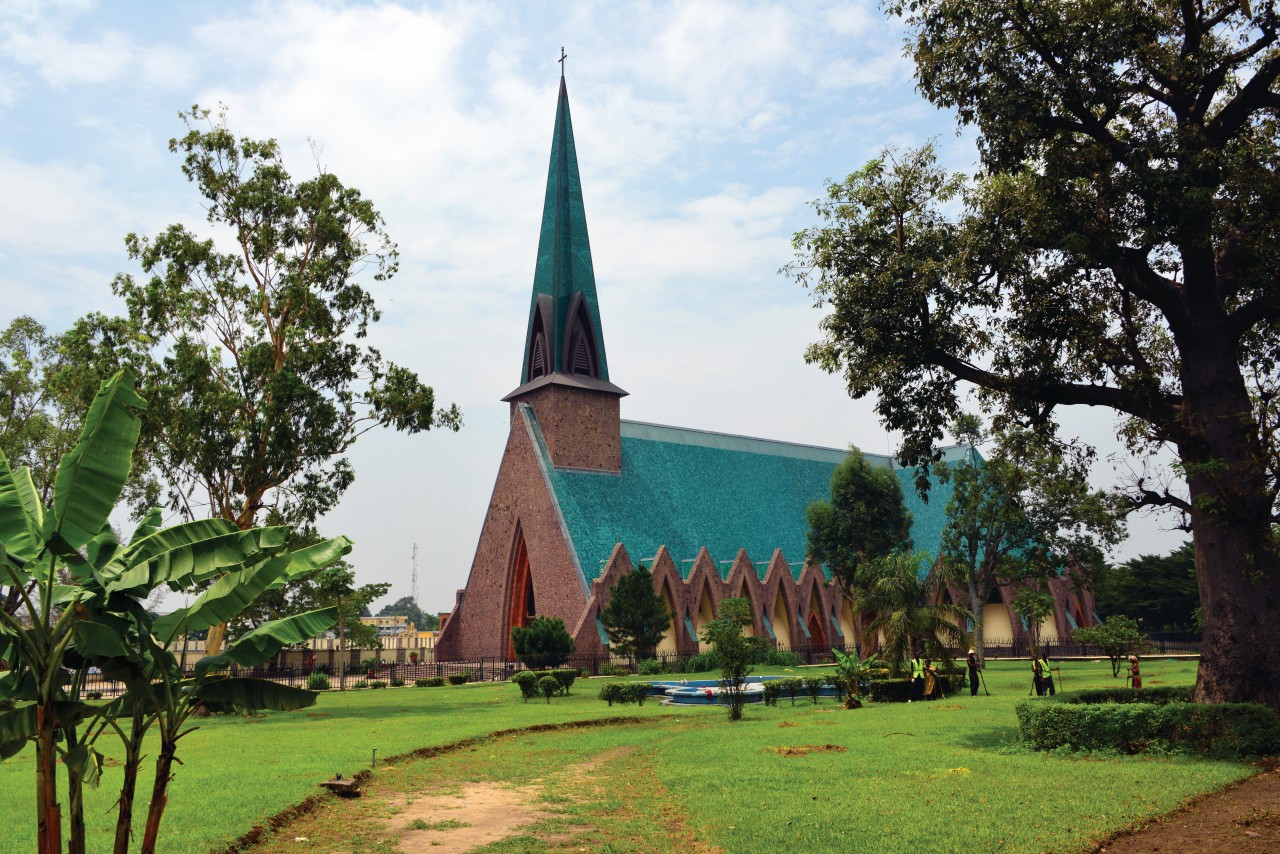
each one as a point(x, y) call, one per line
point(17, 727)
point(212, 663)
point(244, 694)
point(313, 558)
point(20, 530)
point(188, 554)
point(268, 639)
point(92, 474)
point(99, 640)
point(149, 525)
point(225, 599)
point(87, 762)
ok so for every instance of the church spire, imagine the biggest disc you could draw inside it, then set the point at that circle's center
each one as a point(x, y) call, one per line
point(564, 335)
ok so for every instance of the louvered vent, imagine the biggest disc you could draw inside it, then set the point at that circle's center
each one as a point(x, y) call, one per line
point(538, 364)
point(582, 357)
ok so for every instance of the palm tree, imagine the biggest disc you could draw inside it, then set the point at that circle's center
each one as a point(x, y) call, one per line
point(892, 602)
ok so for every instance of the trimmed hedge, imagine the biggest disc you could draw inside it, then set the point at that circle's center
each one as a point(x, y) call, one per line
point(429, 682)
point(625, 692)
point(1220, 731)
point(899, 690)
point(1158, 696)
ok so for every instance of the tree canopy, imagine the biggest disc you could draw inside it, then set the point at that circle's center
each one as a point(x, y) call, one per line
point(406, 607)
point(635, 619)
point(1160, 590)
point(254, 354)
point(865, 518)
point(1117, 248)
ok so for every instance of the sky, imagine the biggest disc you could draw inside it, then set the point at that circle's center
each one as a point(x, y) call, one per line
point(704, 130)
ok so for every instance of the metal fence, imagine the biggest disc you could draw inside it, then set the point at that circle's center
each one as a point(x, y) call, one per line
point(351, 673)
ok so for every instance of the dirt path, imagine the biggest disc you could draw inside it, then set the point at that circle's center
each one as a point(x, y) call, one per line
point(1242, 819)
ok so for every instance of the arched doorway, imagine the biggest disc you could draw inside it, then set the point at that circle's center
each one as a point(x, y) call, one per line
point(521, 607)
point(781, 622)
point(668, 645)
point(744, 593)
point(996, 625)
point(706, 613)
point(814, 622)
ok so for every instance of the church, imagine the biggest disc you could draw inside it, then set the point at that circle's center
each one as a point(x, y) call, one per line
point(583, 495)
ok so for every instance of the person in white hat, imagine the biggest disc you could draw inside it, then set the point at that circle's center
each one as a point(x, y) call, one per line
point(974, 667)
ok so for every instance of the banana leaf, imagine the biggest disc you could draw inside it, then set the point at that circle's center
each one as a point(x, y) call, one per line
point(87, 762)
point(149, 525)
point(223, 601)
point(94, 639)
point(265, 641)
point(243, 694)
point(190, 553)
point(17, 727)
point(313, 558)
point(19, 532)
point(92, 474)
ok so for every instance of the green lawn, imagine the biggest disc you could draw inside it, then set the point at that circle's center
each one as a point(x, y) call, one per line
point(926, 776)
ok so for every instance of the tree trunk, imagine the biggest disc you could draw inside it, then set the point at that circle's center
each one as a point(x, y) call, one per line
point(75, 800)
point(1237, 566)
point(128, 786)
point(976, 603)
point(48, 811)
point(159, 797)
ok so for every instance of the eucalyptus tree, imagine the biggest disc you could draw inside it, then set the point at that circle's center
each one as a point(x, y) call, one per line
point(1117, 249)
point(256, 362)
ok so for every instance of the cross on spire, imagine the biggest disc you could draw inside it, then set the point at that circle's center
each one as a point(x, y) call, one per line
point(563, 57)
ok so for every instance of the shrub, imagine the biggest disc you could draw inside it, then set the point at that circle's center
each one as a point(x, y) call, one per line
point(650, 667)
point(1221, 731)
point(812, 685)
point(545, 642)
point(791, 688)
point(625, 692)
point(318, 681)
point(378, 683)
point(772, 690)
point(779, 658)
point(429, 682)
point(614, 670)
point(460, 678)
point(93, 695)
point(360, 683)
point(397, 682)
point(548, 686)
point(326, 669)
point(527, 682)
point(565, 678)
point(889, 690)
point(369, 667)
point(1159, 695)
point(700, 663)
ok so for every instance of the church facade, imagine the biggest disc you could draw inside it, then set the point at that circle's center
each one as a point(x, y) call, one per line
point(583, 495)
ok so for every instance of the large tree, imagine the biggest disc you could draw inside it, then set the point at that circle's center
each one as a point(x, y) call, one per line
point(259, 376)
point(636, 618)
point(253, 353)
point(406, 607)
point(1022, 513)
point(864, 520)
point(1118, 249)
point(1160, 590)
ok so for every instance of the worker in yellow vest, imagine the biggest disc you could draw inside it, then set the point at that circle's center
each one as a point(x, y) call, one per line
point(917, 678)
point(1046, 673)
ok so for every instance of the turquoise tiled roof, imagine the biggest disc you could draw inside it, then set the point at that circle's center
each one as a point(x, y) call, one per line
point(686, 489)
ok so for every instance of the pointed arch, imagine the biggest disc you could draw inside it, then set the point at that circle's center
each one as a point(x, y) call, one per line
point(1079, 615)
point(813, 621)
point(848, 625)
point(997, 627)
point(1048, 632)
point(581, 356)
point(539, 356)
point(521, 606)
point(781, 619)
point(669, 645)
point(705, 613)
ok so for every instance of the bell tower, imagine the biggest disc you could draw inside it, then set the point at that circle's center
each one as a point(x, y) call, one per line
point(565, 375)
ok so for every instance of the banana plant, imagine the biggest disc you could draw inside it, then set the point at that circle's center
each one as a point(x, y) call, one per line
point(84, 597)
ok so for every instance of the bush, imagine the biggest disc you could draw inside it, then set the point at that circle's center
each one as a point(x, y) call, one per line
point(1220, 731)
point(527, 682)
point(545, 642)
point(812, 685)
point(1160, 695)
point(779, 658)
point(565, 678)
point(429, 682)
point(889, 690)
point(790, 688)
point(614, 670)
point(378, 683)
point(318, 681)
point(93, 695)
point(548, 686)
point(460, 678)
point(625, 692)
point(772, 690)
point(650, 667)
point(369, 667)
point(397, 682)
point(700, 663)
point(360, 683)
